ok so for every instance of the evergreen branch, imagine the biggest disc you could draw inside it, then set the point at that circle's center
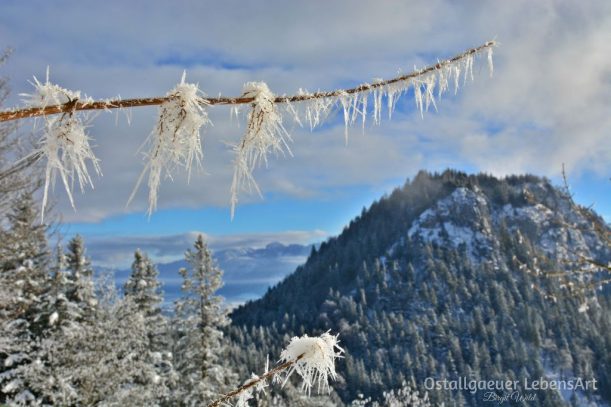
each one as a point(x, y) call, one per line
point(254, 382)
point(17, 114)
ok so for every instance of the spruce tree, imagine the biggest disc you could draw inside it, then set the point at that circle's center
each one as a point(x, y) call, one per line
point(143, 285)
point(143, 289)
point(80, 273)
point(199, 343)
point(102, 361)
point(23, 261)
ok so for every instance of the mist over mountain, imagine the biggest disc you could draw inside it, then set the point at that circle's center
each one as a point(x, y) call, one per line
point(248, 272)
point(448, 277)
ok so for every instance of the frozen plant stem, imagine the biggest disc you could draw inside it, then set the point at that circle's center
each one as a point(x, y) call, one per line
point(256, 381)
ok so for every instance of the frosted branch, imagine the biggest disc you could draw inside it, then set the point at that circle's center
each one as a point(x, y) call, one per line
point(16, 114)
point(175, 141)
point(313, 358)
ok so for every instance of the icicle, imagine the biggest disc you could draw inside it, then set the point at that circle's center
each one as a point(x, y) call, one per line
point(65, 143)
point(264, 134)
point(430, 88)
point(234, 113)
point(377, 101)
point(364, 108)
point(490, 65)
point(344, 100)
point(418, 97)
point(390, 101)
point(443, 75)
point(316, 109)
point(293, 112)
point(456, 78)
point(175, 141)
point(355, 110)
point(468, 68)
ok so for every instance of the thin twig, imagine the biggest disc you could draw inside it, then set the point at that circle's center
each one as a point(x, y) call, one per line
point(17, 114)
point(254, 382)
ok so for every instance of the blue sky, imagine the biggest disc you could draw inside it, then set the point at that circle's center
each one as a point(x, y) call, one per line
point(547, 104)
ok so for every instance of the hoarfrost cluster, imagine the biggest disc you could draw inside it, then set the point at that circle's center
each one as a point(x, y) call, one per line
point(312, 358)
point(264, 134)
point(65, 144)
point(175, 142)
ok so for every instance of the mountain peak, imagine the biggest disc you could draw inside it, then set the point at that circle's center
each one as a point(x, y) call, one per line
point(442, 279)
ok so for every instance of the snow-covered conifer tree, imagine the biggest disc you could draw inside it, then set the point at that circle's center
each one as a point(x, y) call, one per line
point(143, 285)
point(102, 361)
point(80, 274)
point(198, 338)
point(23, 261)
point(144, 290)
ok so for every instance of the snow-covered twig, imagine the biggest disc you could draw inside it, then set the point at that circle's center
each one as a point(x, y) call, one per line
point(254, 382)
point(312, 358)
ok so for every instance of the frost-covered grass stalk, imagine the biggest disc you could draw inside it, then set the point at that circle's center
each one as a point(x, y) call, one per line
point(65, 144)
point(175, 142)
point(317, 364)
point(264, 134)
point(312, 358)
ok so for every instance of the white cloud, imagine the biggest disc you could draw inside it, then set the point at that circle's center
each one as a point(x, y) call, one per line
point(118, 251)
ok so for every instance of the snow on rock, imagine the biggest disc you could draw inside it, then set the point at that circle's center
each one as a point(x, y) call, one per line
point(459, 219)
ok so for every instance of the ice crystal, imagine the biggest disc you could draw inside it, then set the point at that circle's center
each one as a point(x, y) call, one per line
point(65, 144)
point(175, 141)
point(490, 64)
point(264, 134)
point(314, 360)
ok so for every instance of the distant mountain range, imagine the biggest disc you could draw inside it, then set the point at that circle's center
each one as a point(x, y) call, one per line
point(444, 279)
point(248, 272)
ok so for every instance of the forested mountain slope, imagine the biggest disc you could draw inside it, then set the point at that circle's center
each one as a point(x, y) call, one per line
point(447, 278)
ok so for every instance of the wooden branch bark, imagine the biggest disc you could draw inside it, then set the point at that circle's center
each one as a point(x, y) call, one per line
point(254, 382)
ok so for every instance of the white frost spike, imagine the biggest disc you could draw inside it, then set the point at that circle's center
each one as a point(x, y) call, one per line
point(317, 109)
point(65, 144)
point(175, 141)
point(377, 101)
point(264, 134)
point(456, 78)
point(66, 148)
point(468, 68)
point(364, 108)
point(344, 100)
point(430, 88)
point(49, 94)
point(314, 359)
point(418, 97)
point(444, 74)
point(490, 64)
